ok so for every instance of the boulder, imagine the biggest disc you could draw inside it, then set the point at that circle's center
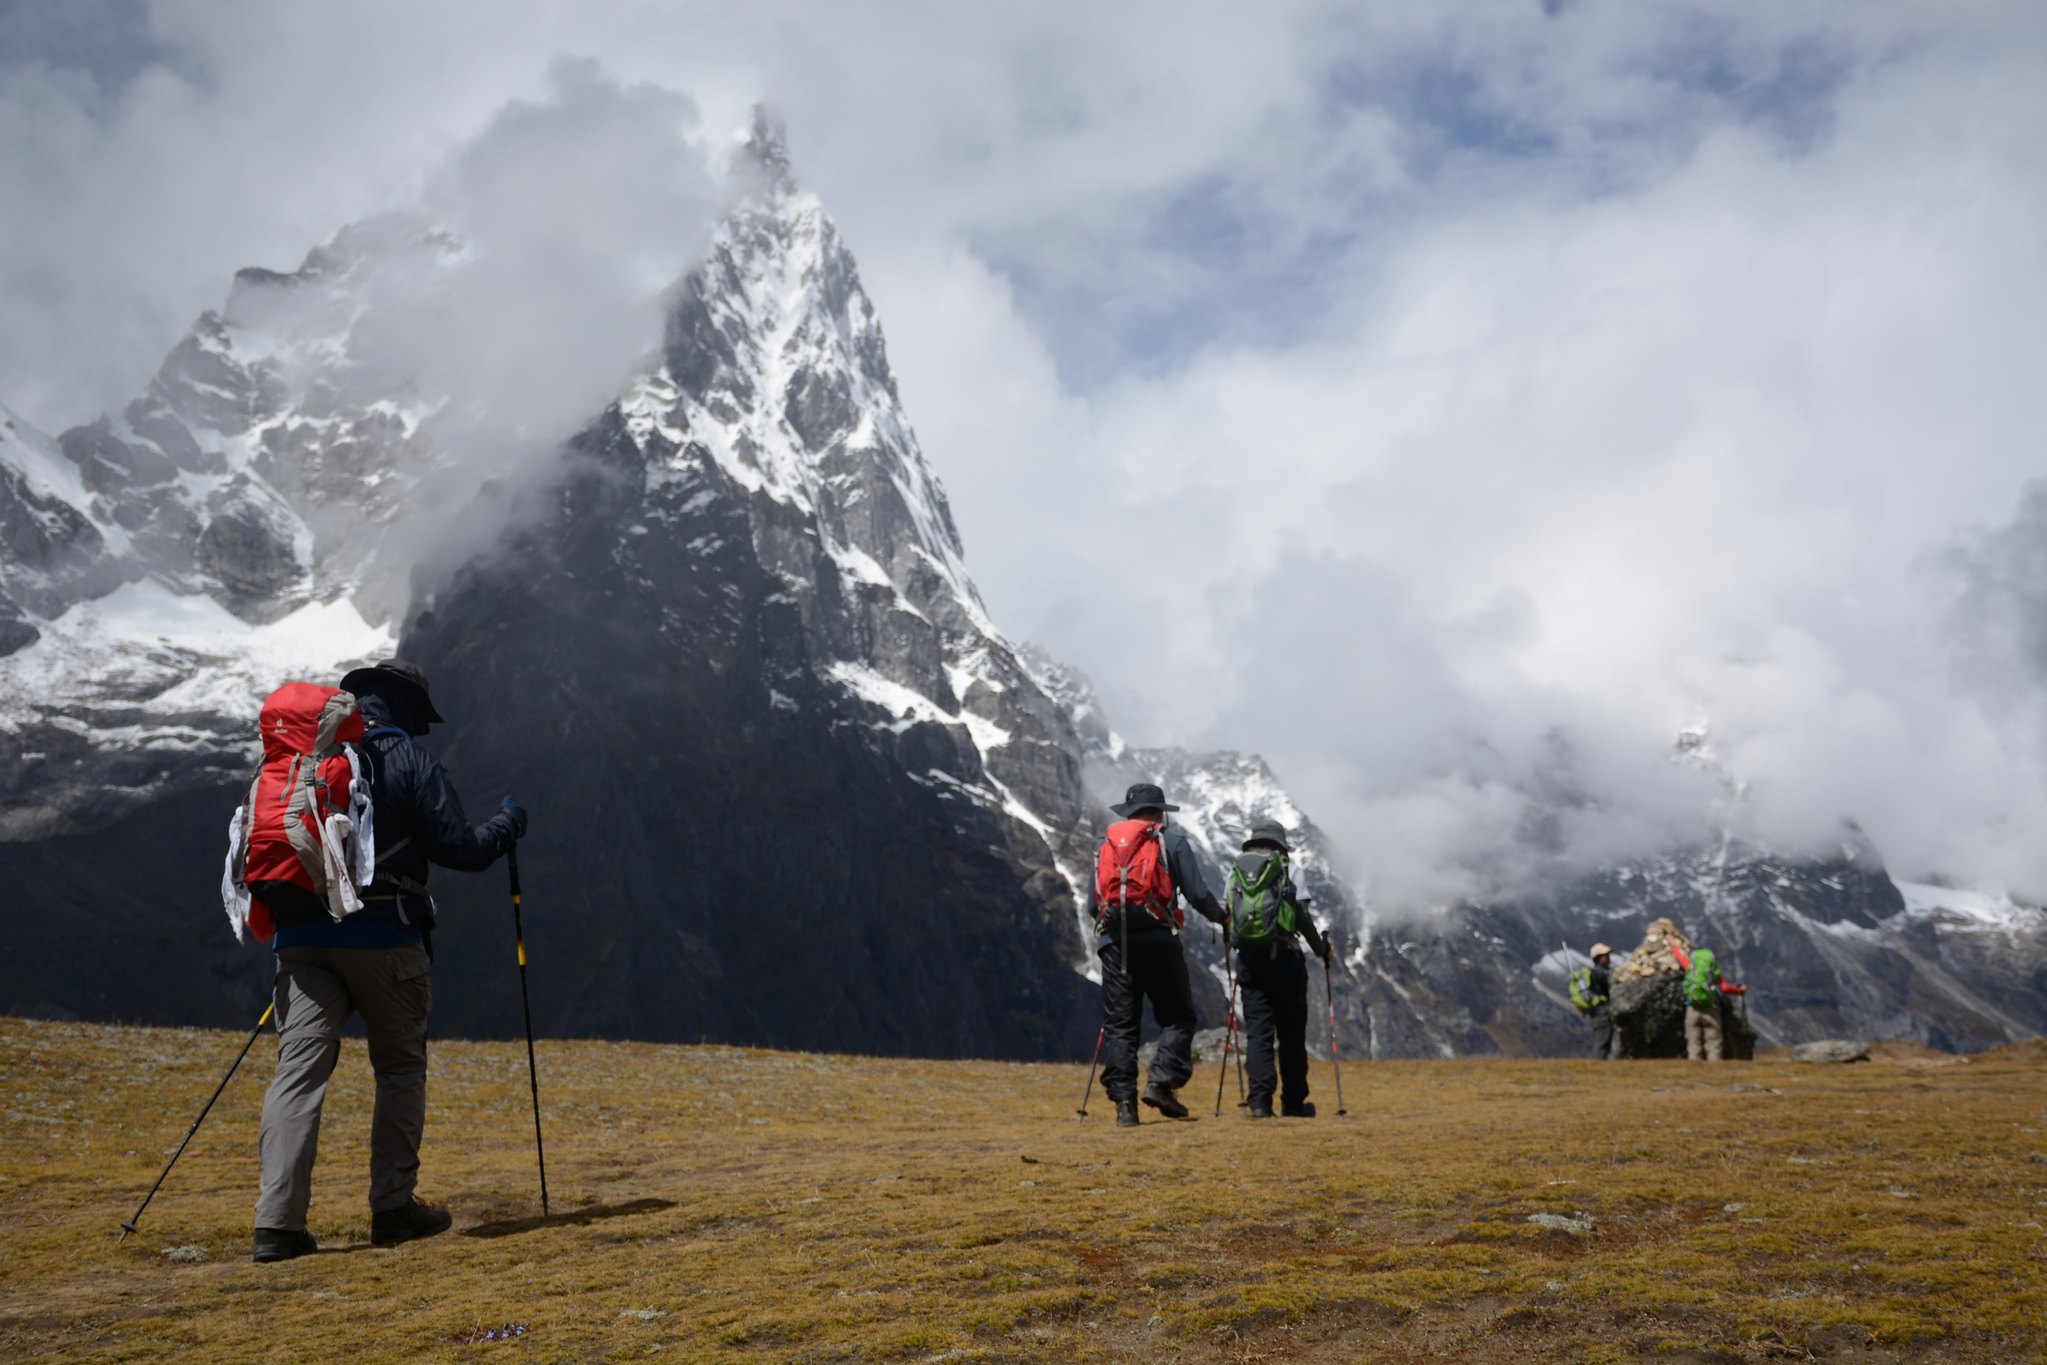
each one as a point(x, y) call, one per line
point(1831, 1050)
point(1649, 1019)
point(1208, 1047)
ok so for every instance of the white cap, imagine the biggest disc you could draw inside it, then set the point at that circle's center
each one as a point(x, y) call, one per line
point(1598, 949)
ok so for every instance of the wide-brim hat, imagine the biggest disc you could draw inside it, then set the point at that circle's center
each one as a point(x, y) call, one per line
point(408, 673)
point(1143, 796)
point(1269, 832)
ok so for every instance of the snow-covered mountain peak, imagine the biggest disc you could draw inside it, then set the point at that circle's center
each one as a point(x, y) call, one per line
point(775, 370)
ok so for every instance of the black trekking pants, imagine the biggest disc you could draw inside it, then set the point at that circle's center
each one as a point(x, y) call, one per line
point(1275, 987)
point(1158, 972)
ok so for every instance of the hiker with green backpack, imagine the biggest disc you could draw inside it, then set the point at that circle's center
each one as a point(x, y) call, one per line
point(1268, 919)
point(1592, 997)
point(1705, 993)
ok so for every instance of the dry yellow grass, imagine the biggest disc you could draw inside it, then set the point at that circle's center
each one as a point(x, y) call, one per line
point(716, 1204)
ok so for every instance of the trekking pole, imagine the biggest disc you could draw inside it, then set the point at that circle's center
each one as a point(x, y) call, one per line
point(1329, 990)
point(1237, 1028)
point(526, 1004)
point(129, 1226)
point(1229, 1030)
point(1100, 1034)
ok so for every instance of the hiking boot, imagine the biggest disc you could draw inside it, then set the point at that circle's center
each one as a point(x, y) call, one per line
point(282, 1244)
point(407, 1223)
point(1162, 1098)
point(1304, 1110)
point(1258, 1109)
point(1126, 1113)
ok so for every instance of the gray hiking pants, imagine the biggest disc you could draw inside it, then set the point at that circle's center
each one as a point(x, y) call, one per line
point(315, 992)
point(1702, 1035)
point(1602, 1032)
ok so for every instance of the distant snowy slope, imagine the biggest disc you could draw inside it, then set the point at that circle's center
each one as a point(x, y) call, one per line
point(58, 545)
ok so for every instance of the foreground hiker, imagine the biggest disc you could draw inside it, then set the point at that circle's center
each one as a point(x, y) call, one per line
point(1143, 866)
point(1706, 993)
point(1269, 918)
point(373, 962)
point(1592, 994)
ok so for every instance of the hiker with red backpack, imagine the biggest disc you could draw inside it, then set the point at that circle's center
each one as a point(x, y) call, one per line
point(1269, 918)
point(1141, 870)
point(328, 860)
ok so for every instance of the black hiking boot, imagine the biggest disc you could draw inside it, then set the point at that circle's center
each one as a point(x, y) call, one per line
point(1126, 1113)
point(408, 1223)
point(282, 1244)
point(1304, 1110)
point(1258, 1109)
point(1162, 1098)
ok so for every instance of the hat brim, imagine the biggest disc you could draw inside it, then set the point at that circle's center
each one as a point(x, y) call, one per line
point(1268, 841)
point(1130, 808)
point(348, 679)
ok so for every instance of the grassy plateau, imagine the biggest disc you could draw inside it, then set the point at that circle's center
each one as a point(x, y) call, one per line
point(720, 1204)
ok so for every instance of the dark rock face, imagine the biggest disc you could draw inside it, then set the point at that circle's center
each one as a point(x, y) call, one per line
point(716, 863)
point(1649, 1020)
point(54, 554)
point(247, 551)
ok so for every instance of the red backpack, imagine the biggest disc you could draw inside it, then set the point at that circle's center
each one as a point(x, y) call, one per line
point(1131, 874)
point(306, 822)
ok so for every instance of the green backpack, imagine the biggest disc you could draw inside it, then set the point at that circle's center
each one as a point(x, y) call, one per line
point(1702, 982)
point(1260, 897)
point(1581, 991)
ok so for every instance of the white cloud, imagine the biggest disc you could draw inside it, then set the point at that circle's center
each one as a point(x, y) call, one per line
point(1497, 374)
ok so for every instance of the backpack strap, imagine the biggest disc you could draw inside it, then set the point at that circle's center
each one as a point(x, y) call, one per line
point(397, 883)
point(1157, 835)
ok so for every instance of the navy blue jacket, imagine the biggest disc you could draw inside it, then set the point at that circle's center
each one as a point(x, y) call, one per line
point(419, 821)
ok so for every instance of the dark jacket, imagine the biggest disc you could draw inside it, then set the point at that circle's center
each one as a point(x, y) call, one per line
point(1183, 865)
point(419, 821)
point(1601, 987)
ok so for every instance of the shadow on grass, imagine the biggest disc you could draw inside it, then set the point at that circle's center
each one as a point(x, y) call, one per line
point(596, 1213)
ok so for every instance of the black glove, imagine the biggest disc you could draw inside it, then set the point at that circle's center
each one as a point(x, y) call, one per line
point(516, 813)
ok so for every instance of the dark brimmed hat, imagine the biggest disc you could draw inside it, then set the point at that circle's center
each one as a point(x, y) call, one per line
point(407, 673)
point(1269, 832)
point(1143, 796)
